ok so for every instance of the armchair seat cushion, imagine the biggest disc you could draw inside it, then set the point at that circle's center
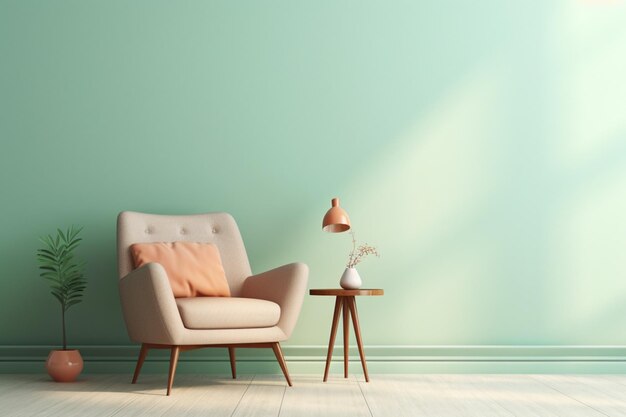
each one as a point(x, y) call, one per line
point(227, 313)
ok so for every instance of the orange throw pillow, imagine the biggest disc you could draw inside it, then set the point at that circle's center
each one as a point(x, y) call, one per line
point(194, 269)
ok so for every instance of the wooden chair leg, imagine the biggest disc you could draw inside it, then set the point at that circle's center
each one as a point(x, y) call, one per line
point(142, 357)
point(173, 362)
point(281, 361)
point(233, 367)
point(333, 334)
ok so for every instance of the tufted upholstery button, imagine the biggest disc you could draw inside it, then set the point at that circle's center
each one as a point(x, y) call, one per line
point(214, 230)
point(183, 231)
point(148, 230)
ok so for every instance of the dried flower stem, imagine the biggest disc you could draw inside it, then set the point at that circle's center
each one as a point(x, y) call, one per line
point(358, 253)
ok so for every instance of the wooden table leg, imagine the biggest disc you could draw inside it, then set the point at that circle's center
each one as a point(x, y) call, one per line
point(346, 334)
point(333, 333)
point(357, 332)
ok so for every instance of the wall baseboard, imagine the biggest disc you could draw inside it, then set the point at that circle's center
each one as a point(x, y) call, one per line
point(310, 359)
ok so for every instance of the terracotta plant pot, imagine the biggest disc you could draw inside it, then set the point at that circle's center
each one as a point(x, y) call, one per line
point(64, 365)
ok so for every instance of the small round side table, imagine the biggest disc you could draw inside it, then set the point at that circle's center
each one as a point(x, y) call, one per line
point(346, 301)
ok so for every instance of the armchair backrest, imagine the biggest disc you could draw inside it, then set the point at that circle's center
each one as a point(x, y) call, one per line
point(217, 228)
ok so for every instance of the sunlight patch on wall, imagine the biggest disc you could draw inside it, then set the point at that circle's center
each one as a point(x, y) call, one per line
point(448, 301)
point(589, 259)
point(418, 203)
point(438, 174)
point(591, 48)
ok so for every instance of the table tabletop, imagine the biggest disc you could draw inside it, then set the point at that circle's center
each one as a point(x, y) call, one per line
point(340, 292)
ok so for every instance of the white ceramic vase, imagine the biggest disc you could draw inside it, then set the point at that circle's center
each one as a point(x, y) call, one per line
point(350, 279)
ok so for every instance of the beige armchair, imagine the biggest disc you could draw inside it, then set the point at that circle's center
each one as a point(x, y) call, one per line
point(261, 313)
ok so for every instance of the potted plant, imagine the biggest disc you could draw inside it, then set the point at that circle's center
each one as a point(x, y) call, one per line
point(67, 283)
point(350, 279)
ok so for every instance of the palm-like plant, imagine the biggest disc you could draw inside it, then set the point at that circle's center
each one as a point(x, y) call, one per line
point(57, 264)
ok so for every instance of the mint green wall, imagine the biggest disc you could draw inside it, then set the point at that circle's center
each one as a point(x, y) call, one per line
point(480, 145)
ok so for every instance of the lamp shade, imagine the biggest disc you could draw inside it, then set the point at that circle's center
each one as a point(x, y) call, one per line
point(336, 219)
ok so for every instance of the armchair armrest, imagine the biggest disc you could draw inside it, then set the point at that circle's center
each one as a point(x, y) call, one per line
point(149, 306)
point(286, 286)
